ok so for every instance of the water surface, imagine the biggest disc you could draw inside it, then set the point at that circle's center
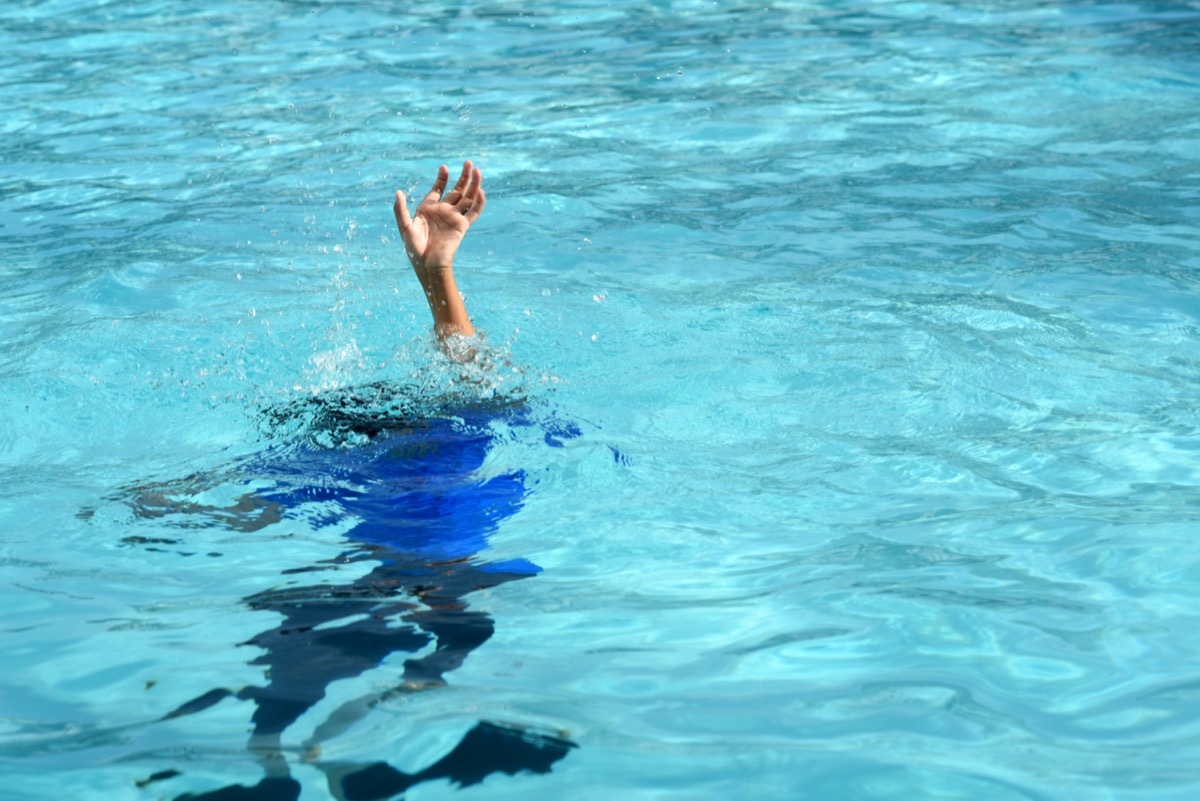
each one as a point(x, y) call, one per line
point(861, 348)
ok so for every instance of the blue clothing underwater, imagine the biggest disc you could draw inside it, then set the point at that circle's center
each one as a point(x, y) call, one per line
point(412, 490)
point(421, 513)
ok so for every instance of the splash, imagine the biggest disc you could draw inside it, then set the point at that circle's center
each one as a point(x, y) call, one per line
point(334, 368)
point(336, 411)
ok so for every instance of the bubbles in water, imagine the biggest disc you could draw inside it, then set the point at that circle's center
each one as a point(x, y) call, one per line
point(333, 368)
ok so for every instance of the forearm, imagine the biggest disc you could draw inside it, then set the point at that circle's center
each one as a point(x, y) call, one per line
point(445, 303)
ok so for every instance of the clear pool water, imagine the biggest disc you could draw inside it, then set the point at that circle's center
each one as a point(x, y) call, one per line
point(862, 350)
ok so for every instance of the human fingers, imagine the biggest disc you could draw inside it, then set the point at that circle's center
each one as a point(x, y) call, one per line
point(439, 184)
point(460, 187)
point(400, 209)
point(472, 189)
point(476, 208)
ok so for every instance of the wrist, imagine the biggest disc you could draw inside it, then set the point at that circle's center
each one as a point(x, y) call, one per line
point(440, 272)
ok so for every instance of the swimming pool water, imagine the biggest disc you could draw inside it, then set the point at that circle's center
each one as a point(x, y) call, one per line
point(862, 348)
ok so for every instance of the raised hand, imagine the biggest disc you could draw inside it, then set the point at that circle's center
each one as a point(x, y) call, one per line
point(432, 236)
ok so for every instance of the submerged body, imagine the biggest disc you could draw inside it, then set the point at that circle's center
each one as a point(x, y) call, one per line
point(418, 509)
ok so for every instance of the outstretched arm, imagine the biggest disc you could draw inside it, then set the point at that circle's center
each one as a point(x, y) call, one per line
point(431, 238)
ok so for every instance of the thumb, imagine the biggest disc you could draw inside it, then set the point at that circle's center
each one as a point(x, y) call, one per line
point(400, 209)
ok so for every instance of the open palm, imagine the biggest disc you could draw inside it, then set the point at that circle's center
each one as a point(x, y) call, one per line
point(433, 234)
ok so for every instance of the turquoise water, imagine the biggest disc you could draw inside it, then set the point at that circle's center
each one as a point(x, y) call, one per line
point(877, 324)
